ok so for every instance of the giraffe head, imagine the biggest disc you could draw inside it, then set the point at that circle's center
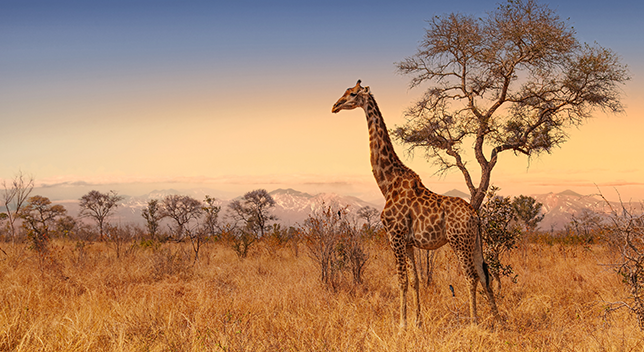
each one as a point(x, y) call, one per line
point(353, 98)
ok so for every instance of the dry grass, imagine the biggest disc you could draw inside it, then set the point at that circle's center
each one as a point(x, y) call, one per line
point(154, 299)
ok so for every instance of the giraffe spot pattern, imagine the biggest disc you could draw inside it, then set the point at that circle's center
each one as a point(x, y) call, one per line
point(413, 215)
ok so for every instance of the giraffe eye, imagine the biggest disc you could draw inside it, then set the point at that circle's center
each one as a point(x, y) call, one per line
point(353, 94)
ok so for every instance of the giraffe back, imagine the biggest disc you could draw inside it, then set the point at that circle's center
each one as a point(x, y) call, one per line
point(429, 219)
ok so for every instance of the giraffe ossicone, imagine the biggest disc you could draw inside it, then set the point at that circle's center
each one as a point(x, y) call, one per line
point(414, 216)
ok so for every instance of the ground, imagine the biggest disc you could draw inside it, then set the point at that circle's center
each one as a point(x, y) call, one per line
point(153, 298)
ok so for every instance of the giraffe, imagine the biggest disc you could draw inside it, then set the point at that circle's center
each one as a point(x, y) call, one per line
point(416, 217)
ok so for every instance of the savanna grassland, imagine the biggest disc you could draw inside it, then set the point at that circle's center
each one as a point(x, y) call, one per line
point(82, 297)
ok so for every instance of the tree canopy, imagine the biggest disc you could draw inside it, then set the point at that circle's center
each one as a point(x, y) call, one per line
point(99, 206)
point(253, 210)
point(182, 209)
point(515, 80)
point(39, 215)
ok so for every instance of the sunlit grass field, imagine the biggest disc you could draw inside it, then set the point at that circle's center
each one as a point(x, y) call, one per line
point(154, 298)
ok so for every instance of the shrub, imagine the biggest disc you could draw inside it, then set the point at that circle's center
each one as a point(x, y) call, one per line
point(500, 233)
point(625, 232)
point(335, 245)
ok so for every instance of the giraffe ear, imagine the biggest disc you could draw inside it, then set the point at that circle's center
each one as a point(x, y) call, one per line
point(367, 89)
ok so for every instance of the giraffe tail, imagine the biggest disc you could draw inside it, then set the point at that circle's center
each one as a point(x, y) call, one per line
point(481, 266)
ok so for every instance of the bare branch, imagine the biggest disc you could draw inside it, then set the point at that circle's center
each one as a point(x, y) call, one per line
point(14, 196)
point(514, 81)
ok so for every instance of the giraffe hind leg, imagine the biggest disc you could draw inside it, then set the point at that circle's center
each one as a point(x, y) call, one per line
point(484, 276)
point(468, 263)
point(490, 294)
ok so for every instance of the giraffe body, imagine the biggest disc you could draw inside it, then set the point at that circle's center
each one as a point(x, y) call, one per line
point(416, 217)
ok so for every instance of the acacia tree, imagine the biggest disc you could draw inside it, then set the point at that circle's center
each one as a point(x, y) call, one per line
point(528, 211)
point(39, 216)
point(515, 80)
point(253, 210)
point(14, 196)
point(99, 206)
point(250, 216)
point(152, 215)
point(211, 216)
point(181, 209)
point(371, 217)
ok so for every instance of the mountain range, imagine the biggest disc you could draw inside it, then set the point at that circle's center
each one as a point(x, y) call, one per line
point(559, 208)
point(292, 207)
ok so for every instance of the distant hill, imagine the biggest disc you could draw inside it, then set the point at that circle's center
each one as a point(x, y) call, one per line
point(292, 206)
point(569, 193)
point(560, 207)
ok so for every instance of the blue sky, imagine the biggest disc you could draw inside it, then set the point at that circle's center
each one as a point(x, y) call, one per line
point(137, 95)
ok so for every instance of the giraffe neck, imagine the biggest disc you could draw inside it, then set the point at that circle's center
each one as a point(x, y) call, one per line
point(385, 164)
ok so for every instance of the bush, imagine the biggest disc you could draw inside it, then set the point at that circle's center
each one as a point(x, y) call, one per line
point(624, 231)
point(500, 233)
point(239, 239)
point(335, 245)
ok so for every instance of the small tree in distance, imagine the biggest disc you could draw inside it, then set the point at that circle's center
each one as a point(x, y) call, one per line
point(39, 218)
point(253, 209)
point(181, 209)
point(211, 216)
point(335, 245)
point(14, 196)
point(153, 215)
point(250, 216)
point(514, 80)
point(99, 206)
point(528, 211)
point(371, 217)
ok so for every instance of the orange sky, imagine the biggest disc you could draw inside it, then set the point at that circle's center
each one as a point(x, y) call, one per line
point(110, 99)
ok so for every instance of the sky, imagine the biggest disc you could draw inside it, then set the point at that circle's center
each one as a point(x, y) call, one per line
point(233, 96)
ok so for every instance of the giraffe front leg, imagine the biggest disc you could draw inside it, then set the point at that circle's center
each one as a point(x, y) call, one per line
point(415, 282)
point(402, 283)
point(399, 250)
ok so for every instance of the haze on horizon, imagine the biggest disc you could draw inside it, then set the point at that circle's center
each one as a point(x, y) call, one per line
point(143, 95)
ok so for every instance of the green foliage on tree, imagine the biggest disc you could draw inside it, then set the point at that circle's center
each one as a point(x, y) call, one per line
point(500, 233)
point(528, 211)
